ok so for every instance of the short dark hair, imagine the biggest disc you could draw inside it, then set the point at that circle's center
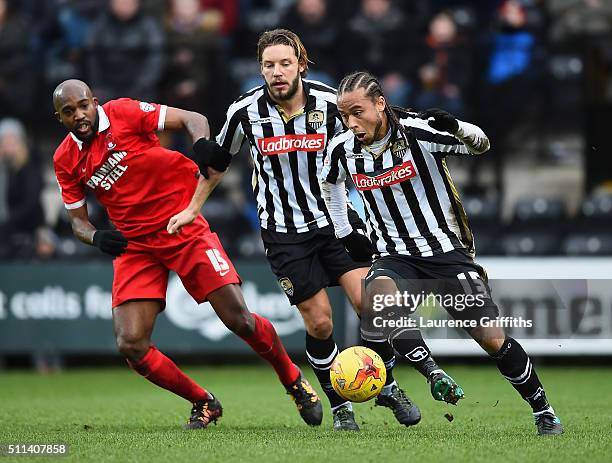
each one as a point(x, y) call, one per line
point(284, 37)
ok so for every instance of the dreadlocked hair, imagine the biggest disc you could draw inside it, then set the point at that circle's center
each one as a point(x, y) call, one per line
point(373, 89)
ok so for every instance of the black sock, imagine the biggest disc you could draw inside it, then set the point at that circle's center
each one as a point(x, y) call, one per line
point(409, 343)
point(321, 354)
point(514, 363)
point(385, 350)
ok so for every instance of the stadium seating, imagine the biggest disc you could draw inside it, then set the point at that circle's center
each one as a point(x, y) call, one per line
point(588, 244)
point(484, 217)
point(531, 244)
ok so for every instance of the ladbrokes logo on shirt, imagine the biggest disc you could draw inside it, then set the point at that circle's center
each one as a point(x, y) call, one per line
point(287, 143)
point(390, 177)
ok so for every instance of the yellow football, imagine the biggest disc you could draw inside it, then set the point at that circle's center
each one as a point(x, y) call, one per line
point(358, 374)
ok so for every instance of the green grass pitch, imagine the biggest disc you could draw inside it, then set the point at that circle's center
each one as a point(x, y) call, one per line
point(115, 415)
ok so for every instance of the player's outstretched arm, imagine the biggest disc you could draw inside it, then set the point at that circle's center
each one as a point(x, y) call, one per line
point(207, 154)
point(205, 187)
point(111, 242)
point(472, 136)
point(195, 124)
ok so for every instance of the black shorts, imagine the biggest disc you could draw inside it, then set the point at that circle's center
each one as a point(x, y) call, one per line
point(305, 263)
point(451, 273)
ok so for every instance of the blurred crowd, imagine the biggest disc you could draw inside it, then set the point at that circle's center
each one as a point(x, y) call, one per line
point(528, 71)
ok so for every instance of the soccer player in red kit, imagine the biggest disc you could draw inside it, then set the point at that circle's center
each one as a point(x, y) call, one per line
point(112, 150)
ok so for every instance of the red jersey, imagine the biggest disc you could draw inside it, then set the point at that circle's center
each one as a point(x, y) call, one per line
point(140, 184)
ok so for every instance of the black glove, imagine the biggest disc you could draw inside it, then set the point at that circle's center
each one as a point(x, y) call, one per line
point(110, 241)
point(358, 246)
point(207, 153)
point(443, 121)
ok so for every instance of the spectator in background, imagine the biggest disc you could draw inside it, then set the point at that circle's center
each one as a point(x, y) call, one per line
point(22, 211)
point(125, 53)
point(16, 73)
point(576, 19)
point(226, 11)
point(447, 65)
point(380, 38)
point(509, 95)
point(310, 20)
point(584, 27)
point(196, 56)
point(512, 44)
point(60, 35)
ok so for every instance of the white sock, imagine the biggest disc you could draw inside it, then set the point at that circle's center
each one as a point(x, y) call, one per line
point(548, 410)
point(386, 390)
point(345, 404)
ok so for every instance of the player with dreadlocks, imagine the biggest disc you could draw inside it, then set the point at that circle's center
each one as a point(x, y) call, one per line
point(415, 220)
point(287, 122)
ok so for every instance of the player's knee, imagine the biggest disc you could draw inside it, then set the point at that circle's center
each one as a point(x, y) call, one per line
point(320, 327)
point(359, 304)
point(241, 323)
point(317, 316)
point(491, 345)
point(132, 347)
point(230, 307)
point(491, 339)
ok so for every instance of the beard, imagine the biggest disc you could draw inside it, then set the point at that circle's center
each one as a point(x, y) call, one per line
point(289, 93)
point(93, 130)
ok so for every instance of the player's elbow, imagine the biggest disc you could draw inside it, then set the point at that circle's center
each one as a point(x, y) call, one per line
point(481, 147)
point(327, 186)
point(194, 121)
point(201, 118)
point(324, 187)
point(486, 145)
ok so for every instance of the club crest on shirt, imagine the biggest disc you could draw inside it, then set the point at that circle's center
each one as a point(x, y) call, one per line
point(146, 107)
point(110, 144)
point(399, 148)
point(315, 119)
point(286, 285)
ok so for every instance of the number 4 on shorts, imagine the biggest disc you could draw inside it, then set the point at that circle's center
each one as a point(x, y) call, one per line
point(218, 262)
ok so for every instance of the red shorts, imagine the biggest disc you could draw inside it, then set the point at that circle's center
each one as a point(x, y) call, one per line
point(195, 254)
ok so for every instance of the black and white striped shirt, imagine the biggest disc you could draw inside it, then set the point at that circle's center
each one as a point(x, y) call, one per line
point(287, 154)
point(412, 206)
